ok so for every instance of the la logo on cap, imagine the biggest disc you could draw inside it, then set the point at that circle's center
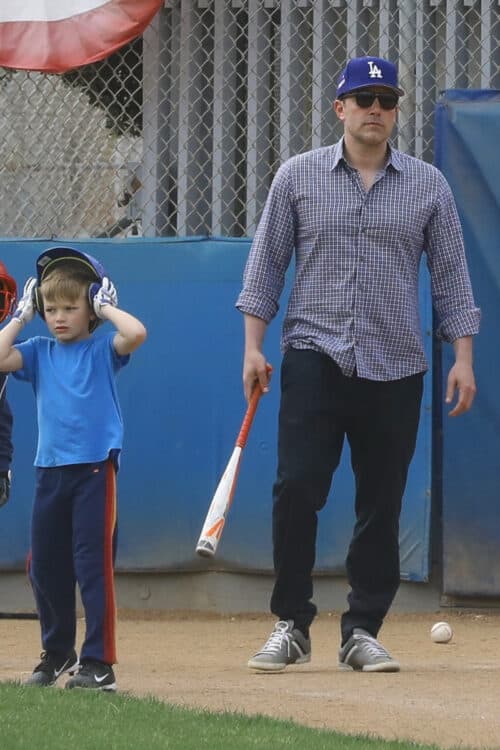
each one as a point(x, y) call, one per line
point(374, 70)
point(368, 71)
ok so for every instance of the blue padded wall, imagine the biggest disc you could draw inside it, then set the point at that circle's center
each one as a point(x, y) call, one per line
point(182, 402)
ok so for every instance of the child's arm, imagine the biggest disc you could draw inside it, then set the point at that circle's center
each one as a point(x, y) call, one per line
point(130, 332)
point(10, 357)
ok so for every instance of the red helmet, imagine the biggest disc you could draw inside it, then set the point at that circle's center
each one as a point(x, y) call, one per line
point(8, 293)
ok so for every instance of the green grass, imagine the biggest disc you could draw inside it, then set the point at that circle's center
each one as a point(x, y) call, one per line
point(55, 719)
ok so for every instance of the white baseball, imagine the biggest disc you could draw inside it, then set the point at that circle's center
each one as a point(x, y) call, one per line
point(441, 632)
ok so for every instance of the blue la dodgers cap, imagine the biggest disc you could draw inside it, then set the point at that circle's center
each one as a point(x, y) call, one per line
point(361, 72)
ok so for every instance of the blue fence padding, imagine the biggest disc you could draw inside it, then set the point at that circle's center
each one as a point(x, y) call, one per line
point(467, 128)
point(183, 404)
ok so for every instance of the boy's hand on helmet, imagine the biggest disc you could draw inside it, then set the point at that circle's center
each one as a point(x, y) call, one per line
point(105, 295)
point(25, 310)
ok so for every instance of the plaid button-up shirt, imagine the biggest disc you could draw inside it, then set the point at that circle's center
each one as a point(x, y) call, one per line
point(357, 258)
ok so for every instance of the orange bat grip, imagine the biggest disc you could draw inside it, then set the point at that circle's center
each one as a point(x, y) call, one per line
point(248, 418)
point(250, 414)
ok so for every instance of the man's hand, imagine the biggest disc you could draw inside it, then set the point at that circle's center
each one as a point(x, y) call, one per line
point(25, 310)
point(256, 371)
point(4, 489)
point(105, 295)
point(461, 378)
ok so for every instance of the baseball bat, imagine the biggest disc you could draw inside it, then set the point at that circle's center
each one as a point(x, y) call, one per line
point(223, 497)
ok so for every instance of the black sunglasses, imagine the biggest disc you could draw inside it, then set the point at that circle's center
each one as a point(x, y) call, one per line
point(365, 99)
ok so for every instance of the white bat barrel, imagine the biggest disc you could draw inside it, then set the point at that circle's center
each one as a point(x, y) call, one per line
point(217, 512)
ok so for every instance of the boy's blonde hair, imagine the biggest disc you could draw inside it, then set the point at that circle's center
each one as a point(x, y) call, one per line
point(66, 282)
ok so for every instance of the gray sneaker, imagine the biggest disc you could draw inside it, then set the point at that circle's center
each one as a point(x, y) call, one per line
point(364, 653)
point(286, 645)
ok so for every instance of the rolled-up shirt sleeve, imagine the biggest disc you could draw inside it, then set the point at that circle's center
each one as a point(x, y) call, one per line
point(452, 295)
point(270, 253)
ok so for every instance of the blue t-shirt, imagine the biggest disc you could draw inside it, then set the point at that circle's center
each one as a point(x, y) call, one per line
point(79, 416)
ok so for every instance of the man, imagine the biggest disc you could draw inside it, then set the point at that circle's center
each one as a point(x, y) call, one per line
point(8, 296)
point(357, 215)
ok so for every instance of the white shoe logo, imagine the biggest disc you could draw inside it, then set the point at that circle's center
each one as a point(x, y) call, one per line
point(101, 678)
point(374, 71)
point(58, 672)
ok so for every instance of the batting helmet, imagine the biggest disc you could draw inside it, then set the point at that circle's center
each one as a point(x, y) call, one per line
point(50, 258)
point(8, 293)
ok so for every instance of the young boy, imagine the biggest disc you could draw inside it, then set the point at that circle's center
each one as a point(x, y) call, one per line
point(80, 434)
point(8, 295)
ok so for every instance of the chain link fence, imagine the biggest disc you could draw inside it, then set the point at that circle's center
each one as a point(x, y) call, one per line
point(181, 132)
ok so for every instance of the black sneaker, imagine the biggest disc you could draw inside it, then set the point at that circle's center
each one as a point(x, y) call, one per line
point(93, 674)
point(52, 666)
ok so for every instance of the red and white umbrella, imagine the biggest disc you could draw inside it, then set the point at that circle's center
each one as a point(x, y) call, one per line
point(54, 36)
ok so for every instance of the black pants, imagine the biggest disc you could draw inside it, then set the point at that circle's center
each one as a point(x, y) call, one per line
point(319, 406)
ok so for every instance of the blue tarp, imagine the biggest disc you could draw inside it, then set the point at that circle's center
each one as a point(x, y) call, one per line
point(467, 135)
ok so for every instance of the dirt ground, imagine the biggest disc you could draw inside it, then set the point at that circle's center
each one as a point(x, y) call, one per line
point(447, 694)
